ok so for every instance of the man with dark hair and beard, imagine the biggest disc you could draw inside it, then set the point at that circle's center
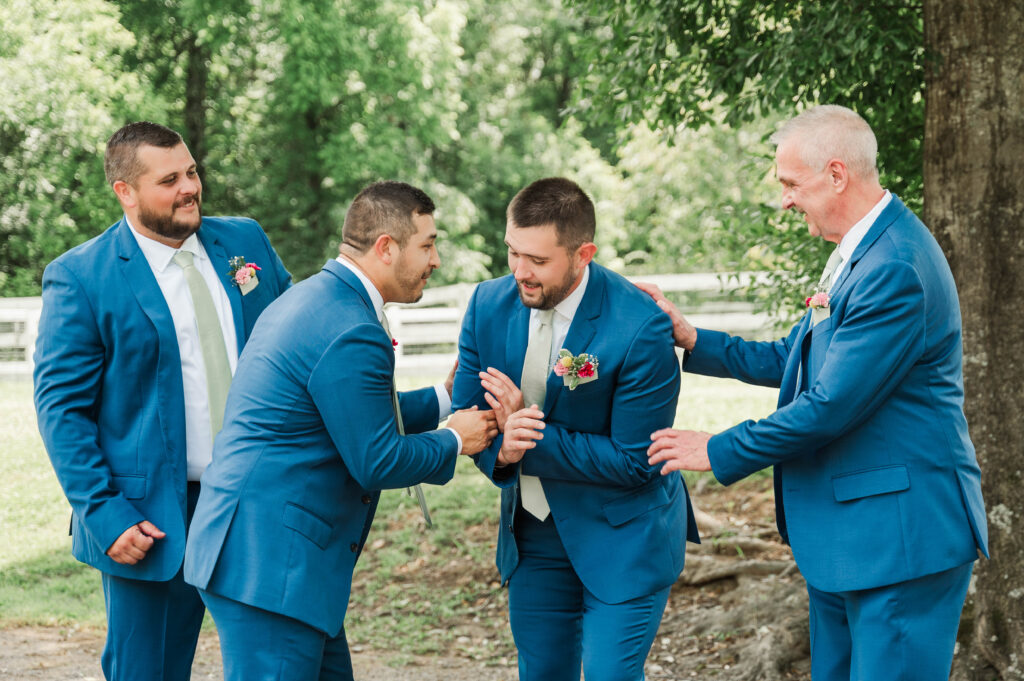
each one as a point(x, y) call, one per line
point(576, 366)
point(139, 336)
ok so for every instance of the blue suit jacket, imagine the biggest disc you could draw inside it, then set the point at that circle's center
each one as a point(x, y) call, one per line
point(876, 478)
point(310, 437)
point(108, 387)
point(623, 524)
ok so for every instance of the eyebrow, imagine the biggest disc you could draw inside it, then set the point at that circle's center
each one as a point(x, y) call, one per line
point(527, 255)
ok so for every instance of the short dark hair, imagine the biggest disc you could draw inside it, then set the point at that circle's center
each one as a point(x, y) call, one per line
point(121, 161)
point(384, 208)
point(557, 201)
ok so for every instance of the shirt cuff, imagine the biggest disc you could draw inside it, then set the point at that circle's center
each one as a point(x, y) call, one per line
point(444, 403)
point(458, 439)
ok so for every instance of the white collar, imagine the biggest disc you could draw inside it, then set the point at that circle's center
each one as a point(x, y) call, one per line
point(375, 297)
point(567, 308)
point(852, 239)
point(160, 255)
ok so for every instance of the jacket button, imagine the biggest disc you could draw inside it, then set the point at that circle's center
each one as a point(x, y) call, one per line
point(353, 547)
point(367, 499)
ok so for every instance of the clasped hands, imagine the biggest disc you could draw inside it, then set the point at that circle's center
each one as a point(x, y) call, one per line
point(520, 424)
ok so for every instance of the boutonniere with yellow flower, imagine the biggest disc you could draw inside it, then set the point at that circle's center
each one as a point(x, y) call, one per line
point(243, 274)
point(575, 369)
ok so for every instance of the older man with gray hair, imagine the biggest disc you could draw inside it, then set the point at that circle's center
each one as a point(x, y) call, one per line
point(876, 483)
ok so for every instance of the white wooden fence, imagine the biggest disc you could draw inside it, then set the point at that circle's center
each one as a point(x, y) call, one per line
point(428, 331)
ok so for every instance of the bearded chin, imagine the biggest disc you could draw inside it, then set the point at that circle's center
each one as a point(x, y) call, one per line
point(167, 226)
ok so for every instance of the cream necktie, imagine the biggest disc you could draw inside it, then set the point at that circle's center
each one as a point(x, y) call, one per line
point(835, 261)
point(420, 497)
point(536, 367)
point(211, 340)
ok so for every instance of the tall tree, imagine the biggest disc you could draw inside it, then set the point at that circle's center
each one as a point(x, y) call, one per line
point(974, 202)
point(685, 61)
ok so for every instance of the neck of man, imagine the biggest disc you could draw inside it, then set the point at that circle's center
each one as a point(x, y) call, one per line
point(859, 199)
point(368, 265)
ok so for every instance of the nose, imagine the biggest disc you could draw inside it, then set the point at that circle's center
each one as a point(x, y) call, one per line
point(435, 258)
point(787, 200)
point(521, 271)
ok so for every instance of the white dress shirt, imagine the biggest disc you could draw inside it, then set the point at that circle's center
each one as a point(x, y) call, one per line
point(852, 239)
point(171, 279)
point(444, 400)
point(562, 319)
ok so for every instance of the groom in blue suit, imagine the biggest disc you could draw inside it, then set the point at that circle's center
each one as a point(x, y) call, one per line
point(877, 488)
point(313, 431)
point(132, 363)
point(591, 536)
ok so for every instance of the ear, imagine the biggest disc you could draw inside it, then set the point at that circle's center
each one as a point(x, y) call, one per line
point(838, 175)
point(585, 253)
point(125, 193)
point(384, 248)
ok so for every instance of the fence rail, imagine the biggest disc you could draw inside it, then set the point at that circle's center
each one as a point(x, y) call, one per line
point(428, 331)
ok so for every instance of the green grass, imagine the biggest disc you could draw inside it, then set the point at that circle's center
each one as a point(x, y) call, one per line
point(413, 586)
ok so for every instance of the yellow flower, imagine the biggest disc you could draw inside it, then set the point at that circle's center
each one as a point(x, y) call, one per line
point(566, 362)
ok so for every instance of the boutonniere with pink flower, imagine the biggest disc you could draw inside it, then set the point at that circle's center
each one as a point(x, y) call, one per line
point(818, 305)
point(243, 274)
point(819, 299)
point(575, 369)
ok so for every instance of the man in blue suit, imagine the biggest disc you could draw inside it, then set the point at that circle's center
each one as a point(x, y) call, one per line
point(591, 537)
point(132, 363)
point(313, 431)
point(877, 488)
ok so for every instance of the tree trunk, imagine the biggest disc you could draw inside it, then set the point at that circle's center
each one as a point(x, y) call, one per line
point(974, 203)
point(197, 67)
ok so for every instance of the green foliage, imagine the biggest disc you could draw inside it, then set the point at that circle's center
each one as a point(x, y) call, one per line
point(743, 64)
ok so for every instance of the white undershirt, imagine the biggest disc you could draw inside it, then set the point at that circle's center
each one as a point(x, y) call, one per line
point(444, 400)
point(171, 279)
point(852, 239)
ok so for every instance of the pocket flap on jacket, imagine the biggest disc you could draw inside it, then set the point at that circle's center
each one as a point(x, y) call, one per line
point(622, 510)
point(307, 524)
point(131, 486)
point(870, 482)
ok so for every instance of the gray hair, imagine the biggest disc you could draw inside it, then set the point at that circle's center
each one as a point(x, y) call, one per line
point(829, 131)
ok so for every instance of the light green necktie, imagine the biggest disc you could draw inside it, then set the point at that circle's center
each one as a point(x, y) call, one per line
point(536, 366)
point(420, 497)
point(211, 340)
point(833, 264)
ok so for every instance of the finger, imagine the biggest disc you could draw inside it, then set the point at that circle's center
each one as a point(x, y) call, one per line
point(650, 289)
point(664, 432)
point(493, 402)
point(500, 376)
point(151, 530)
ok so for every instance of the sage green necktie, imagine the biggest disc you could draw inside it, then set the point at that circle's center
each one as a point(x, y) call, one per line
point(420, 497)
point(211, 340)
point(536, 366)
point(833, 264)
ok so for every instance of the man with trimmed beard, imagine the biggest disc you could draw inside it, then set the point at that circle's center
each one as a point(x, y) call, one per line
point(139, 335)
point(314, 430)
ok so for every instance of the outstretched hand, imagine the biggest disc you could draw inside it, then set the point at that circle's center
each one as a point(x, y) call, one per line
point(476, 427)
point(685, 450)
point(683, 332)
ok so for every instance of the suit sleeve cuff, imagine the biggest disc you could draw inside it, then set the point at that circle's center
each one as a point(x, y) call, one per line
point(444, 406)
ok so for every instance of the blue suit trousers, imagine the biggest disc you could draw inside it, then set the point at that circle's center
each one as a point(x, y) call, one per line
point(152, 627)
point(902, 632)
point(559, 626)
point(259, 645)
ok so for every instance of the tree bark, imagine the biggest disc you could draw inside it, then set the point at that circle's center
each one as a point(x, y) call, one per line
point(197, 67)
point(974, 203)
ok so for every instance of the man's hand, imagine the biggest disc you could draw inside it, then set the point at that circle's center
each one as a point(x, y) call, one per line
point(450, 381)
point(476, 428)
point(501, 394)
point(522, 430)
point(684, 333)
point(134, 543)
point(685, 450)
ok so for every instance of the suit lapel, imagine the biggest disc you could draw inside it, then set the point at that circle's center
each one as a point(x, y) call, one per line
point(140, 280)
point(219, 259)
point(887, 217)
point(515, 342)
point(581, 330)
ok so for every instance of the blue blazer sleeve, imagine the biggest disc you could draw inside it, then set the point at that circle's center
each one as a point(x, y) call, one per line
point(351, 387)
point(881, 337)
point(644, 400)
point(70, 358)
point(723, 356)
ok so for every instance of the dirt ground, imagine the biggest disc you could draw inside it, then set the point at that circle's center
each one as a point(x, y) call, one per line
point(738, 613)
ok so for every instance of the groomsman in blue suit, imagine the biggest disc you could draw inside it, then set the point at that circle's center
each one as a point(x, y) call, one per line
point(313, 431)
point(877, 488)
point(591, 536)
point(140, 332)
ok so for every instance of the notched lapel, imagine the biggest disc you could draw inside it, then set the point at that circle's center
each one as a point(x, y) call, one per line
point(515, 342)
point(581, 332)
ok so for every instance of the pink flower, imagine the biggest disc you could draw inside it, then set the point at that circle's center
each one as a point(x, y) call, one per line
point(587, 370)
point(561, 369)
point(242, 276)
point(819, 299)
